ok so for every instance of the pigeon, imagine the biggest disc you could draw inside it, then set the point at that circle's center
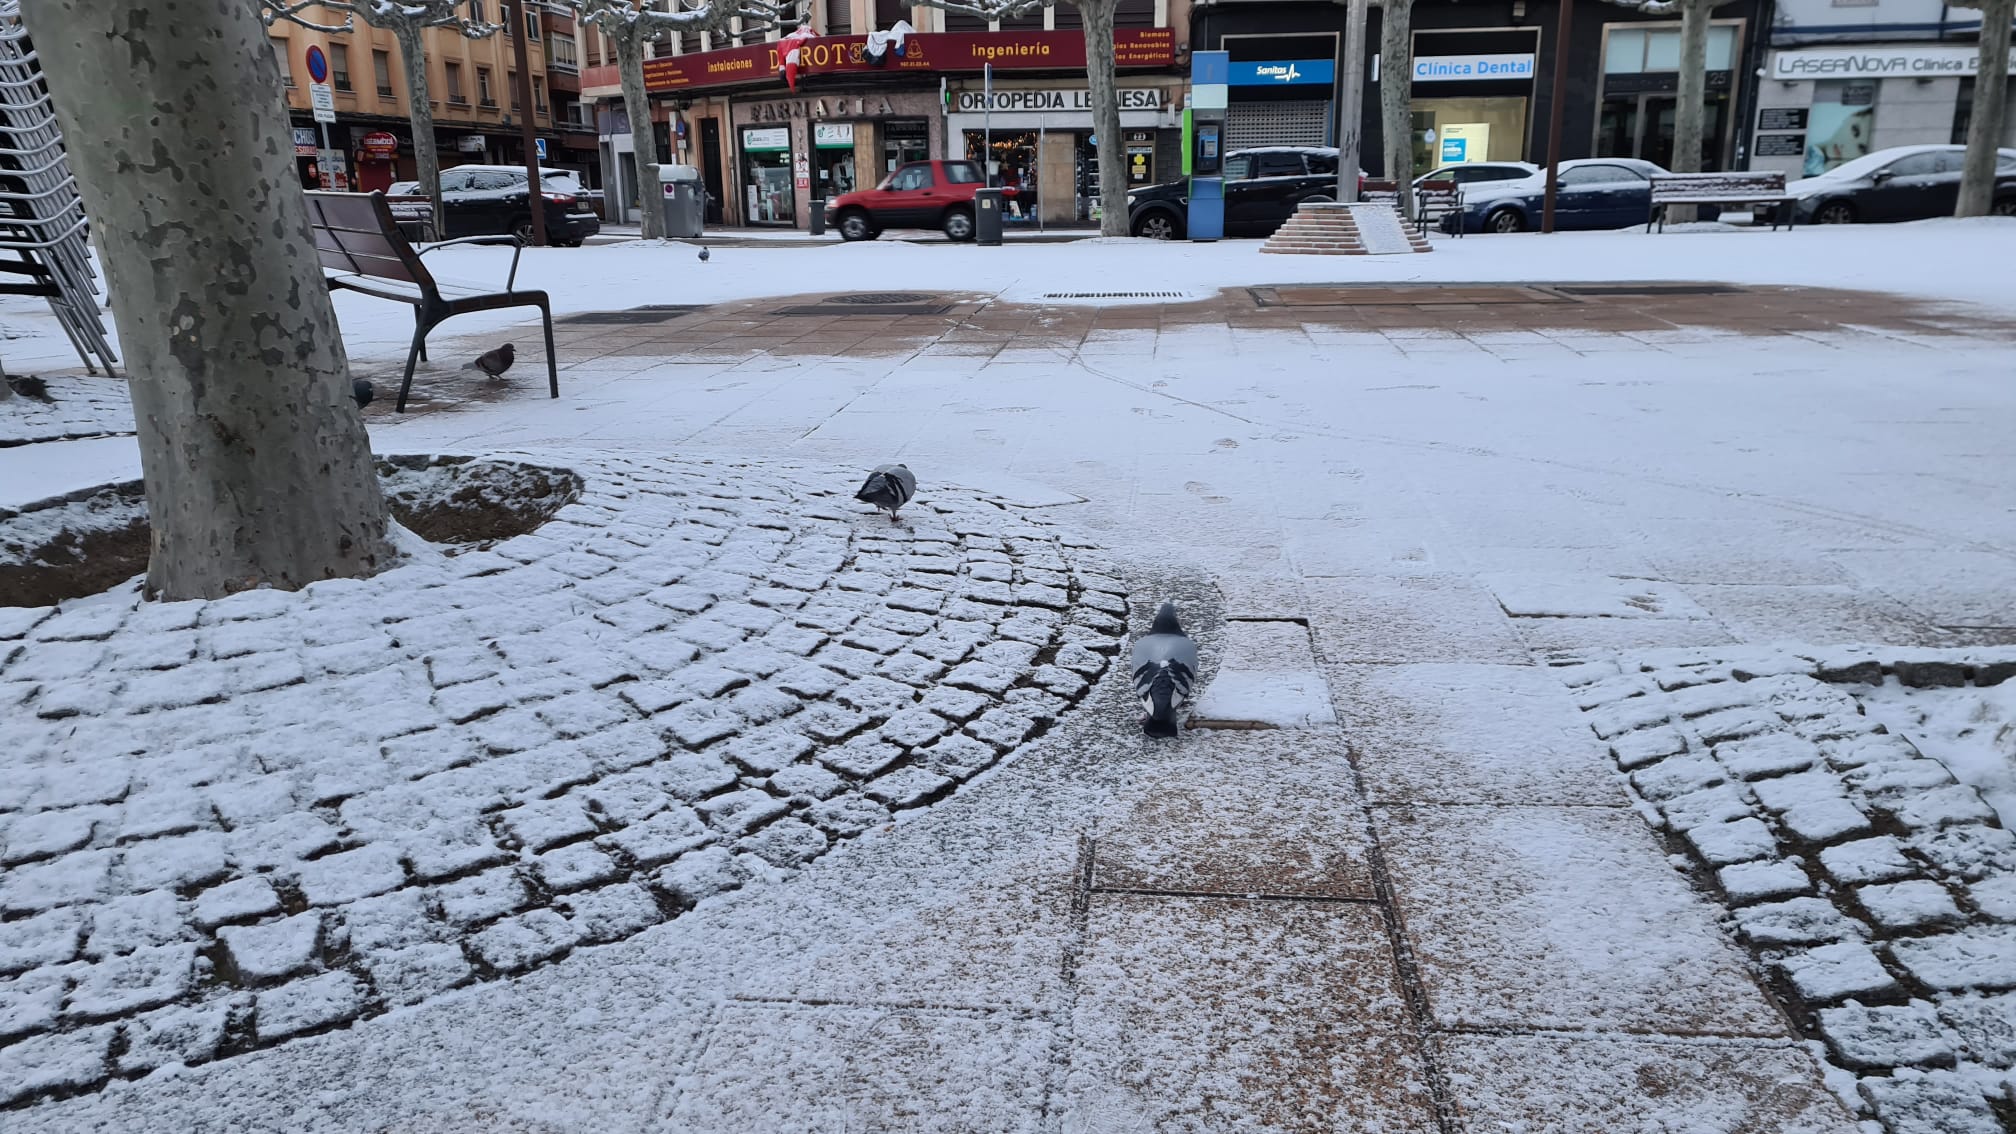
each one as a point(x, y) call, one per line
point(494, 362)
point(28, 386)
point(889, 487)
point(704, 257)
point(1165, 665)
point(361, 390)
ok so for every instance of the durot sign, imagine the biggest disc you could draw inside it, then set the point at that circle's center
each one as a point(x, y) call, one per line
point(950, 51)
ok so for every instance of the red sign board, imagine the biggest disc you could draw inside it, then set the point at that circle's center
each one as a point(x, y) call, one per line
point(927, 52)
point(378, 143)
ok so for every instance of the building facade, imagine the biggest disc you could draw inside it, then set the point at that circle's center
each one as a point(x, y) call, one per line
point(472, 85)
point(1841, 82)
point(1482, 75)
point(768, 153)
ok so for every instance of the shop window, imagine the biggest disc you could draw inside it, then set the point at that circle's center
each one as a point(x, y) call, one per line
point(454, 84)
point(839, 17)
point(1637, 51)
point(339, 66)
point(1134, 14)
point(381, 70)
point(1839, 124)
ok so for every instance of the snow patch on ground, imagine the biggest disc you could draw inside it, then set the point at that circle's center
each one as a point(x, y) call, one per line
point(1297, 699)
point(1970, 730)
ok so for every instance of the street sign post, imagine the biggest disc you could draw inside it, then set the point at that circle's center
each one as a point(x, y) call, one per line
point(321, 100)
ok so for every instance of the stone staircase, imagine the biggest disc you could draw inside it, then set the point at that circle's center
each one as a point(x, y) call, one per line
point(1333, 228)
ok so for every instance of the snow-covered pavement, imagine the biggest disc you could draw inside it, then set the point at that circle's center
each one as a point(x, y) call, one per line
point(1436, 901)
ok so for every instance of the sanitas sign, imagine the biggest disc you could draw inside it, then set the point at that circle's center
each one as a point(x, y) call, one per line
point(973, 102)
point(1283, 73)
point(1877, 63)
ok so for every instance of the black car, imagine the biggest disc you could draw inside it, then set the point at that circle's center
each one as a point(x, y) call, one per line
point(1263, 188)
point(1901, 183)
point(481, 200)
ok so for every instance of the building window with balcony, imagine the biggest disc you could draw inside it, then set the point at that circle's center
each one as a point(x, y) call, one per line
point(381, 69)
point(484, 95)
point(538, 94)
point(564, 54)
point(476, 10)
point(339, 66)
point(455, 95)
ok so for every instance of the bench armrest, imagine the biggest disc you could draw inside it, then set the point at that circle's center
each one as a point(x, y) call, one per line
point(517, 250)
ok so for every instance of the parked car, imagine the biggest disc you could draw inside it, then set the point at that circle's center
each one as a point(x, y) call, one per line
point(1901, 183)
point(918, 194)
point(1263, 188)
point(403, 189)
point(1471, 173)
point(479, 200)
point(1594, 193)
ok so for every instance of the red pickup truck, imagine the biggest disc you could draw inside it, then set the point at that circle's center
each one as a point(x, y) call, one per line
point(919, 194)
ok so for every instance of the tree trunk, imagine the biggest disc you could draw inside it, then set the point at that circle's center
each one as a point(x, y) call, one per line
point(420, 112)
point(1691, 101)
point(1991, 93)
point(1396, 118)
point(629, 42)
point(257, 468)
point(1102, 82)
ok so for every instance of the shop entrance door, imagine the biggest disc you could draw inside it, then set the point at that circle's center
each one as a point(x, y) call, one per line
point(710, 168)
point(1641, 126)
point(904, 139)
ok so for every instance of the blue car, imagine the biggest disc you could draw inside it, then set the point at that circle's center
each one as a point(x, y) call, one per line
point(1594, 193)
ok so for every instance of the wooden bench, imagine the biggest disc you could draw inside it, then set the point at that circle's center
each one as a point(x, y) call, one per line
point(1730, 188)
point(415, 215)
point(1433, 200)
point(362, 249)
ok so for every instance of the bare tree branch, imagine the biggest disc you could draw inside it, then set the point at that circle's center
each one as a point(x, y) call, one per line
point(272, 12)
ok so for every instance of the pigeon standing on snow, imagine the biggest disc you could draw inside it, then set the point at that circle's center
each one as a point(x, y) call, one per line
point(704, 257)
point(1165, 666)
point(361, 391)
point(889, 487)
point(494, 362)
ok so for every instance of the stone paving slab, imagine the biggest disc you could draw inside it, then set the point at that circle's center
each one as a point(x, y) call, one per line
point(1168, 1034)
point(1265, 812)
point(1615, 1085)
point(1466, 733)
point(1565, 917)
point(1386, 620)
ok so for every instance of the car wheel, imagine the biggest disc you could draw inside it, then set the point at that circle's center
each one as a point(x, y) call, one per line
point(1505, 220)
point(522, 229)
point(2006, 207)
point(1157, 225)
point(959, 225)
point(1834, 212)
point(854, 226)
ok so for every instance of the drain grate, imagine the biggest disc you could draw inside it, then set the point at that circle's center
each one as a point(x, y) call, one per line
point(882, 298)
point(1115, 295)
point(657, 313)
point(1648, 289)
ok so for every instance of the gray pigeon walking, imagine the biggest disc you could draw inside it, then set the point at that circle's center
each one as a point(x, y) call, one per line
point(889, 487)
point(704, 257)
point(494, 362)
point(361, 390)
point(1165, 667)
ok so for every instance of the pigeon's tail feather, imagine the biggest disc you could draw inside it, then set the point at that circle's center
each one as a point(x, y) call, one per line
point(1164, 689)
point(1165, 620)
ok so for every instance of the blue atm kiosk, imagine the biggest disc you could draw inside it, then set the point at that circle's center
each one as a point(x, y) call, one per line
point(1204, 143)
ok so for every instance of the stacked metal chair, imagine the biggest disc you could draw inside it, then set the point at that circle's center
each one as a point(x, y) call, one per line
point(43, 231)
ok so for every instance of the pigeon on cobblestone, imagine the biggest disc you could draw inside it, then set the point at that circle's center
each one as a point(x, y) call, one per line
point(889, 487)
point(704, 257)
point(1165, 665)
point(494, 362)
point(360, 389)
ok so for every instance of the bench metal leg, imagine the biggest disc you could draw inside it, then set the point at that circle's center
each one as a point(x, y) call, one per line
point(418, 351)
point(552, 364)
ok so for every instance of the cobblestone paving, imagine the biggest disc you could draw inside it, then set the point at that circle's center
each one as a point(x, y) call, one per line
point(75, 407)
point(1878, 892)
point(253, 819)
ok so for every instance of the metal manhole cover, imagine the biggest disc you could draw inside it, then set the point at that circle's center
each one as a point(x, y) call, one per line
point(1647, 289)
point(658, 314)
point(882, 298)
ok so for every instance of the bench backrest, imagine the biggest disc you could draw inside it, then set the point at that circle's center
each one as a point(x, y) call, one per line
point(1689, 184)
point(1379, 192)
point(356, 232)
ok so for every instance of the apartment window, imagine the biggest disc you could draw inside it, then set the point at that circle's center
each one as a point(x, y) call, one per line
point(538, 94)
point(484, 95)
point(455, 95)
point(511, 80)
point(839, 17)
point(887, 12)
point(339, 66)
point(564, 53)
point(689, 42)
point(476, 10)
point(531, 25)
point(381, 69)
point(286, 61)
point(1134, 14)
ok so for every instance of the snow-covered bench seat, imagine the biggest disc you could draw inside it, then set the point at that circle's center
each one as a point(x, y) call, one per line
point(363, 250)
point(1756, 187)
